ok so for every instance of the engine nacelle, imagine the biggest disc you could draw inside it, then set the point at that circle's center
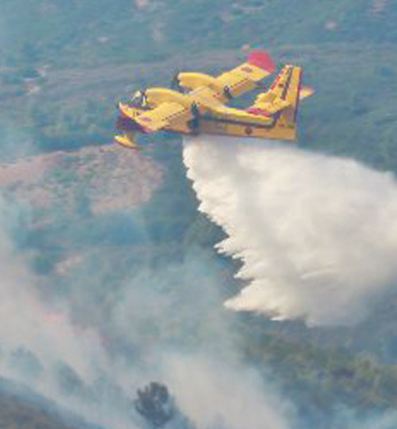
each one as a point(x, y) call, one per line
point(194, 80)
point(156, 96)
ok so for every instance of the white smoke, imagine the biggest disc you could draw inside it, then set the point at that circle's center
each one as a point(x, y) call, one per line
point(316, 235)
point(41, 347)
point(150, 320)
point(232, 396)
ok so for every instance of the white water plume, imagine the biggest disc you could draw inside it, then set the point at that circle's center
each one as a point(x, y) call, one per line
point(316, 235)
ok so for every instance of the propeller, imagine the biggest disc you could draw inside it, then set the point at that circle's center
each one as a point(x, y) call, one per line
point(227, 93)
point(175, 85)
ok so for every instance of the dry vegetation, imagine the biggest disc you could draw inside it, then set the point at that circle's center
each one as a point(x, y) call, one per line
point(108, 177)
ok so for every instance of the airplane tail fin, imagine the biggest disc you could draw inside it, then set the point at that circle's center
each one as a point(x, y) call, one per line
point(282, 94)
point(282, 99)
point(288, 90)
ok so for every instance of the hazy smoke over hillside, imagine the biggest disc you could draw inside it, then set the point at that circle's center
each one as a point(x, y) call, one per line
point(91, 346)
point(89, 336)
point(232, 396)
point(317, 236)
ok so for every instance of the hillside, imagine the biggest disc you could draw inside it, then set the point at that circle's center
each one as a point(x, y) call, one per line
point(18, 413)
point(92, 219)
point(80, 34)
point(106, 178)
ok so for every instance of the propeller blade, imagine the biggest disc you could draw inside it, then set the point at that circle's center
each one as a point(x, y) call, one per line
point(175, 83)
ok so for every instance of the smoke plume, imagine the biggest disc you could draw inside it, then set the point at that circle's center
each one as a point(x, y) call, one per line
point(232, 396)
point(316, 235)
point(91, 345)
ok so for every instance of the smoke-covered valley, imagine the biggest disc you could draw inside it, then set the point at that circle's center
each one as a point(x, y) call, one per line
point(127, 299)
point(89, 335)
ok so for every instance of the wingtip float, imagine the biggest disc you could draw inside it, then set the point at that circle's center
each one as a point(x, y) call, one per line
point(198, 106)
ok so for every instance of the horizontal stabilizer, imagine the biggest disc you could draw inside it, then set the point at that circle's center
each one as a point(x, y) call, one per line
point(305, 92)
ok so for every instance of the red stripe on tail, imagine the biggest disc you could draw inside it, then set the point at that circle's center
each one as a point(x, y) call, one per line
point(262, 60)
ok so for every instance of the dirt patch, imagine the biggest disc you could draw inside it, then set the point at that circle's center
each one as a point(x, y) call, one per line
point(105, 178)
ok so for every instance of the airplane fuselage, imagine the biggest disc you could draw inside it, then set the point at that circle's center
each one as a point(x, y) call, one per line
point(211, 116)
point(202, 107)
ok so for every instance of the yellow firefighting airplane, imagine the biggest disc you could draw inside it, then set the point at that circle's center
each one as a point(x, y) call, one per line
point(199, 105)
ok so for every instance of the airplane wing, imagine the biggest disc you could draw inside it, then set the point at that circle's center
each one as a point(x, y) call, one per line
point(246, 76)
point(163, 116)
point(220, 89)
